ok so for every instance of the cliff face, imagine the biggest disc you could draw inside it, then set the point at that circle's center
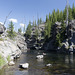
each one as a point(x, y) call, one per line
point(67, 37)
point(34, 43)
point(9, 46)
point(69, 43)
point(40, 42)
point(51, 43)
point(20, 41)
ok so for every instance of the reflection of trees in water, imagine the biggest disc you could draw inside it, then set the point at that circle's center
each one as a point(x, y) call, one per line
point(69, 58)
point(66, 59)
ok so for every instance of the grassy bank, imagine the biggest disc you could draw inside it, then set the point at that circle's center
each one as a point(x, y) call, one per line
point(2, 61)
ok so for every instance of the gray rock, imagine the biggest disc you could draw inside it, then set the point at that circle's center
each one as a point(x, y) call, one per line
point(58, 23)
point(20, 41)
point(48, 65)
point(40, 56)
point(11, 63)
point(2, 28)
point(24, 66)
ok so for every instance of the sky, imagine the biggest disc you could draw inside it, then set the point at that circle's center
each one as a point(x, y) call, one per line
point(23, 11)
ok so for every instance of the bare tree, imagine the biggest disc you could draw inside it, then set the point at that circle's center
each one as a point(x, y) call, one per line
point(7, 17)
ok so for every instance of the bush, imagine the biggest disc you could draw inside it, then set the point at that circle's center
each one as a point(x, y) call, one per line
point(11, 32)
point(2, 61)
point(1, 39)
point(8, 58)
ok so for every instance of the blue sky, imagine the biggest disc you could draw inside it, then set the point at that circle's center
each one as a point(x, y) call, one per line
point(24, 10)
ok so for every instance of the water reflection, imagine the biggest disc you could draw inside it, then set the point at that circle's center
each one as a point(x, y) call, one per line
point(39, 60)
point(61, 63)
point(69, 58)
point(24, 72)
point(66, 59)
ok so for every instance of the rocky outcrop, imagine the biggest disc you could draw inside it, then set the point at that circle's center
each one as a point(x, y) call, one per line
point(69, 43)
point(24, 66)
point(50, 44)
point(11, 63)
point(20, 41)
point(2, 28)
point(33, 43)
point(10, 49)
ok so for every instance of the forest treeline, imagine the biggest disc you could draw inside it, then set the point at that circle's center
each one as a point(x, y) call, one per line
point(59, 16)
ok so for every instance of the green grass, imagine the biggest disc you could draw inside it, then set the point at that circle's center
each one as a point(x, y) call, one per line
point(1, 39)
point(2, 61)
point(8, 58)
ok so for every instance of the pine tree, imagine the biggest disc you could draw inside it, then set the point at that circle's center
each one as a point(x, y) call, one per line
point(40, 20)
point(49, 16)
point(28, 30)
point(48, 30)
point(46, 18)
point(35, 23)
point(19, 30)
point(70, 14)
point(58, 41)
point(36, 32)
point(73, 11)
point(64, 13)
point(54, 17)
point(11, 32)
point(58, 15)
point(61, 16)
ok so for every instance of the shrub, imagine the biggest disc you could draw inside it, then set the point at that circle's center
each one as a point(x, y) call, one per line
point(11, 32)
point(1, 39)
point(8, 58)
point(2, 61)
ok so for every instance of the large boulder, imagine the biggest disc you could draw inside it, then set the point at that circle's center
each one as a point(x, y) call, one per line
point(20, 41)
point(9, 51)
point(24, 66)
point(11, 63)
point(2, 28)
point(8, 48)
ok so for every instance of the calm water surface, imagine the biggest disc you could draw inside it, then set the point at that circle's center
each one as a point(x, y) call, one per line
point(62, 64)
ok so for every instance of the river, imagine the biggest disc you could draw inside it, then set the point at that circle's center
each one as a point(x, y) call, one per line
point(62, 64)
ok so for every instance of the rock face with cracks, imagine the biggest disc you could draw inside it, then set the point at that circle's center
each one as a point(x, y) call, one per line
point(10, 49)
point(69, 43)
point(20, 40)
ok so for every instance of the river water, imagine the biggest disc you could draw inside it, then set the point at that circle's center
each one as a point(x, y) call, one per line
point(62, 64)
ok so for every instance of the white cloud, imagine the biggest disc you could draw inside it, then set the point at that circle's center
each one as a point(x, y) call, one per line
point(1, 23)
point(13, 20)
point(22, 25)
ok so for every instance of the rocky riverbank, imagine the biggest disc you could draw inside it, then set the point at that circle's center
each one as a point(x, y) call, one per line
point(10, 49)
